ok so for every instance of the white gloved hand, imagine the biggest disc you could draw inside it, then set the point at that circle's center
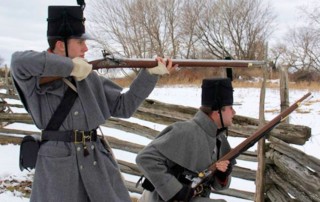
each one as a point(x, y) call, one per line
point(161, 69)
point(81, 68)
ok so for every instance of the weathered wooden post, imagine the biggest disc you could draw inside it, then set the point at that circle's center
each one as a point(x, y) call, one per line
point(260, 175)
point(284, 89)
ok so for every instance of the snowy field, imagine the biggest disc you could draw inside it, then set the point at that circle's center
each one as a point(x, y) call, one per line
point(189, 96)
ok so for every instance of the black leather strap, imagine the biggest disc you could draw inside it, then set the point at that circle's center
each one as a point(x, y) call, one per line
point(69, 136)
point(63, 109)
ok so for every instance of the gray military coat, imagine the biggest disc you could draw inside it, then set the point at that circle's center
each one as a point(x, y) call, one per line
point(62, 172)
point(190, 144)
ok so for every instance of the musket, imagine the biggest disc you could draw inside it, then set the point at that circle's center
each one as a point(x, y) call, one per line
point(109, 61)
point(112, 62)
point(205, 175)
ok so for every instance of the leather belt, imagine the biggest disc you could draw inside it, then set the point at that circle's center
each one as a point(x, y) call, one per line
point(76, 136)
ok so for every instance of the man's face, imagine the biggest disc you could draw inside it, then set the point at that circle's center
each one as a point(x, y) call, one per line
point(227, 115)
point(77, 48)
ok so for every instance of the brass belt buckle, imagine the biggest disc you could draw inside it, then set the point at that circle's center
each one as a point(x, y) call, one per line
point(81, 133)
point(75, 137)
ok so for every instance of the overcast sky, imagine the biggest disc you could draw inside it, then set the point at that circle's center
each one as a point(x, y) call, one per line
point(23, 24)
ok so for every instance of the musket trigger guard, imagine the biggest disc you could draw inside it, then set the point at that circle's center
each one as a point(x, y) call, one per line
point(199, 190)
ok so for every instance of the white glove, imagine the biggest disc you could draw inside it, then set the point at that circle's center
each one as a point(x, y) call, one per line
point(161, 69)
point(81, 68)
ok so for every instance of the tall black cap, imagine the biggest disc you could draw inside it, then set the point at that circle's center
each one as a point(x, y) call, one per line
point(217, 93)
point(66, 22)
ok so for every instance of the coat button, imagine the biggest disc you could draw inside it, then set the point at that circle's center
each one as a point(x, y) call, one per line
point(94, 163)
point(81, 167)
point(76, 113)
point(78, 149)
point(92, 147)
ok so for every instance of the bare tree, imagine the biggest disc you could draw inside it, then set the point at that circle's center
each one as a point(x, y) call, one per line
point(303, 42)
point(136, 28)
point(304, 49)
point(277, 53)
point(114, 28)
point(188, 29)
point(236, 28)
point(189, 18)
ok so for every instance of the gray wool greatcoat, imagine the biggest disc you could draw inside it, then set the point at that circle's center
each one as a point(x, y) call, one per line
point(62, 172)
point(190, 144)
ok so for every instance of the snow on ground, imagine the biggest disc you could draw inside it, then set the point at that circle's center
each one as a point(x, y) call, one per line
point(188, 96)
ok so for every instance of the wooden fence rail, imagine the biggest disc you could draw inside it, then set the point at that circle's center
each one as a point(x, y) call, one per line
point(290, 172)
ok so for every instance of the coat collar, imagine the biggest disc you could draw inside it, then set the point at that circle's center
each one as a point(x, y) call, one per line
point(206, 123)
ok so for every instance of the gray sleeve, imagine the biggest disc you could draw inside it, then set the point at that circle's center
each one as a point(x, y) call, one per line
point(124, 104)
point(27, 64)
point(153, 165)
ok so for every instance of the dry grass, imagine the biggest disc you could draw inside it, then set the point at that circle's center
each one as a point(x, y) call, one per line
point(243, 78)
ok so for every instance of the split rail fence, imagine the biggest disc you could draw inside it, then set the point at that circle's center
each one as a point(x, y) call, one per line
point(291, 175)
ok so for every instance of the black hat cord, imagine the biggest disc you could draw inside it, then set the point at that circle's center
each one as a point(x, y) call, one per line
point(66, 26)
point(222, 123)
point(220, 111)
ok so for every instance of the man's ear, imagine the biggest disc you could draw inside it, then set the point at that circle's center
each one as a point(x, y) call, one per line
point(215, 115)
point(60, 46)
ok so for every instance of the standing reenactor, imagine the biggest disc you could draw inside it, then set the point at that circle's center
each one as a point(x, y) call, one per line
point(73, 164)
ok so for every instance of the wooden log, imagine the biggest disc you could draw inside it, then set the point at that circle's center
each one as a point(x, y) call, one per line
point(301, 178)
point(131, 127)
point(5, 104)
point(299, 156)
point(236, 193)
point(129, 168)
point(5, 139)
point(159, 116)
point(16, 117)
point(124, 145)
point(169, 113)
point(9, 96)
point(157, 105)
point(243, 173)
point(292, 134)
point(248, 156)
point(285, 184)
point(277, 194)
point(112, 123)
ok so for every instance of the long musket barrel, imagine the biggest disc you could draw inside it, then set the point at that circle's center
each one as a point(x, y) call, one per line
point(247, 143)
point(149, 63)
point(109, 62)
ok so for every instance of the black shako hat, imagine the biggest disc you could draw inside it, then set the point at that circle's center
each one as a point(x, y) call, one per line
point(66, 22)
point(217, 93)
